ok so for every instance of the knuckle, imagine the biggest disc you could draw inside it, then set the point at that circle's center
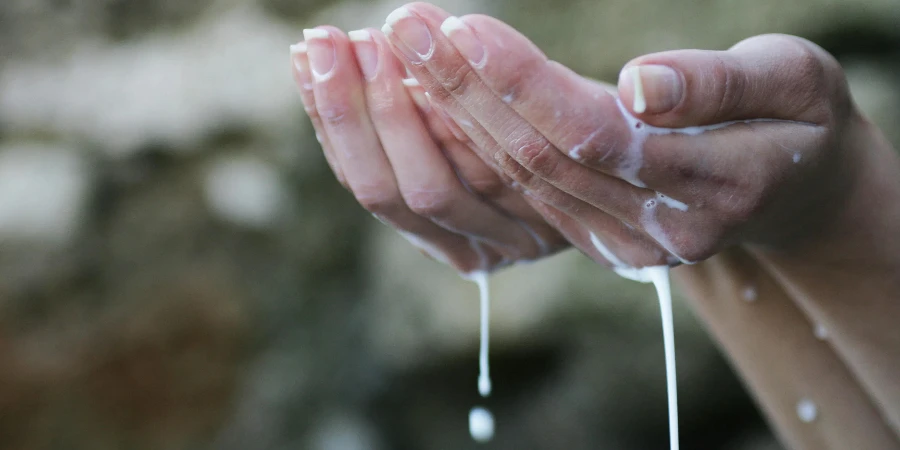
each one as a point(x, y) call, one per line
point(515, 171)
point(739, 204)
point(335, 114)
point(695, 252)
point(456, 80)
point(810, 69)
point(382, 104)
point(312, 112)
point(537, 155)
point(435, 204)
point(379, 200)
point(487, 188)
point(694, 247)
point(733, 85)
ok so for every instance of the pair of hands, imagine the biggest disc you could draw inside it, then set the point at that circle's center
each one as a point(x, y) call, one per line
point(492, 154)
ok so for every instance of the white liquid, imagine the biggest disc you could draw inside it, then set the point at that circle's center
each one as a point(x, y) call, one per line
point(659, 276)
point(481, 421)
point(484, 376)
point(640, 103)
point(634, 155)
point(820, 332)
point(807, 410)
point(749, 294)
point(481, 424)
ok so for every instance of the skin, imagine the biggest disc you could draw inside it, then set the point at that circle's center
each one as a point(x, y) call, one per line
point(799, 200)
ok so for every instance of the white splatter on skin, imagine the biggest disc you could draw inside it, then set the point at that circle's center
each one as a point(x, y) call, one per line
point(807, 411)
point(749, 294)
point(671, 202)
point(575, 153)
point(820, 332)
point(634, 155)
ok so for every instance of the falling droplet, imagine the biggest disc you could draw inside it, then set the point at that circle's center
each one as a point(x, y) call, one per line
point(481, 424)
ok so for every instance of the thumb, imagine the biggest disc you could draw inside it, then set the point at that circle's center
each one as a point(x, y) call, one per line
point(769, 76)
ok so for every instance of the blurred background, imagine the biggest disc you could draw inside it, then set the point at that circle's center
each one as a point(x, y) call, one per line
point(179, 270)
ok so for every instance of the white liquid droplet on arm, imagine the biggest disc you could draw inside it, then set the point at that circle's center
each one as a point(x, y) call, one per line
point(749, 294)
point(820, 332)
point(807, 410)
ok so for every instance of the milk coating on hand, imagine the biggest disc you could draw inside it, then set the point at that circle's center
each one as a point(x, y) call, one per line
point(633, 159)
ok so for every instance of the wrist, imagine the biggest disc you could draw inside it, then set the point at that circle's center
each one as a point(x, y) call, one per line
point(860, 220)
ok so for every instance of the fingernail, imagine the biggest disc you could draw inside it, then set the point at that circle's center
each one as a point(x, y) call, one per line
point(297, 53)
point(301, 66)
point(366, 52)
point(412, 32)
point(320, 48)
point(465, 41)
point(656, 89)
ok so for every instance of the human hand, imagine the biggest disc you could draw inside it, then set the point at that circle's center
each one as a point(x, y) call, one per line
point(706, 148)
point(402, 162)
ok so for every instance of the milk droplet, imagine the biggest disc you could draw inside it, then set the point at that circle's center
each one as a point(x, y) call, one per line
point(481, 424)
point(640, 103)
point(820, 332)
point(749, 294)
point(806, 410)
point(671, 202)
point(481, 421)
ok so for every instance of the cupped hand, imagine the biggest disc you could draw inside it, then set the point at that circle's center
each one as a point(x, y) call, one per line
point(696, 151)
point(403, 163)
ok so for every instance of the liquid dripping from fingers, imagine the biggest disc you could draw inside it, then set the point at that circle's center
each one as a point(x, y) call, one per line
point(484, 378)
point(659, 276)
point(481, 421)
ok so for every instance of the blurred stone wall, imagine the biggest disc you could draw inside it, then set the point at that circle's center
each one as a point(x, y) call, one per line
point(178, 270)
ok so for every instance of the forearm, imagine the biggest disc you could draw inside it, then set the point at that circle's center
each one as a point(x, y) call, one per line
point(846, 280)
point(771, 343)
point(850, 283)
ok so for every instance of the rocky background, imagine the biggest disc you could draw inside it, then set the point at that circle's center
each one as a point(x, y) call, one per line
point(178, 269)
